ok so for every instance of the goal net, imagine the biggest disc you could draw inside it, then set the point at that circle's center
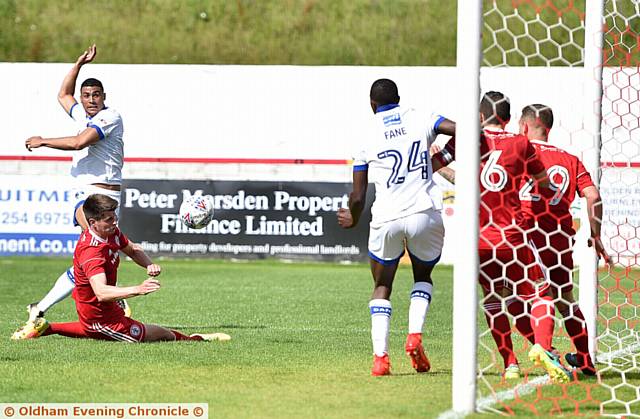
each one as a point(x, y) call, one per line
point(542, 51)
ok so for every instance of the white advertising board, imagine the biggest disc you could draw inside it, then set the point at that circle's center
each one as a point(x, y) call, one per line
point(36, 215)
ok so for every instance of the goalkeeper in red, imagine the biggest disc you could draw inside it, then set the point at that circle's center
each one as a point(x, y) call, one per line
point(553, 232)
point(95, 261)
point(508, 271)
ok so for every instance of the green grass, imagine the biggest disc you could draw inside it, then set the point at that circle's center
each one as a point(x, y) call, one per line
point(301, 345)
point(307, 32)
point(304, 32)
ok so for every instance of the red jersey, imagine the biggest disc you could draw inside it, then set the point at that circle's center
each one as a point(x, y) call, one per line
point(95, 255)
point(506, 159)
point(567, 175)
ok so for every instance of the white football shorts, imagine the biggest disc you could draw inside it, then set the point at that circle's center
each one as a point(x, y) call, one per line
point(81, 193)
point(423, 232)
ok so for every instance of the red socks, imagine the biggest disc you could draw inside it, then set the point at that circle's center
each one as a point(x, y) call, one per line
point(542, 321)
point(180, 336)
point(70, 330)
point(576, 328)
point(501, 331)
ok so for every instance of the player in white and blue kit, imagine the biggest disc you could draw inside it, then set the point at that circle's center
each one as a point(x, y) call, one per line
point(395, 157)
point(98, 157)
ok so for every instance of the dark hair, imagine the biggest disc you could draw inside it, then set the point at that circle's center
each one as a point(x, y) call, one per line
point(97, 204)
point(92, 82)
point(384, 92)
point(539, 113)
point(495, 108)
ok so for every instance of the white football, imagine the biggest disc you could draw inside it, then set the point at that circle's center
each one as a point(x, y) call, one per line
point(196, 211)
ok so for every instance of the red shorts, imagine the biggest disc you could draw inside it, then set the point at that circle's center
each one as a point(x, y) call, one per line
point(125, 330)
point(513, 270)
point(555, 251)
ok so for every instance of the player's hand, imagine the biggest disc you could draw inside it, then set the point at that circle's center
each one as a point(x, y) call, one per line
point(345, 219)
point(33, 142)
point(434, 149)
point(148, 286)
point(596, 243)
point(87, 56)
point(153, 270)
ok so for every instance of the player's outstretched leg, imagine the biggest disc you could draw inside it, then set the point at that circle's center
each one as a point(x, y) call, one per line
point(31, 330)
point(211, 337)
point(208, 337)
point(154, 333)
point(61, 289)
point(418, 308)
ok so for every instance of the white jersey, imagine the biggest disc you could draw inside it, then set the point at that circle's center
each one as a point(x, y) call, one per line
point(396, 156)
point(100, 162)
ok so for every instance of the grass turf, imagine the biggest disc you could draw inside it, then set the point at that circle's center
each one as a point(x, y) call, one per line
point(300, 348)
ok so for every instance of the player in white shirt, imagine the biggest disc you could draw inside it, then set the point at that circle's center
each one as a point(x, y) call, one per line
point(395, 157)
point(98, 157)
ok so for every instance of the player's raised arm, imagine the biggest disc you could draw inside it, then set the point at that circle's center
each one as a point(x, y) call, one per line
point(349, 217)
point(65, 95)
point(106, 292)
point(139, 256)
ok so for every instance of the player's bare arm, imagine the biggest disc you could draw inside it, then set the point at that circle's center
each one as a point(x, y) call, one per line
point(594, 207)
point(138, 255)
point(77, 142)
point(348, 218)
point(65, 95)
point(106, 292)
point(446, 172)
point(447, 127)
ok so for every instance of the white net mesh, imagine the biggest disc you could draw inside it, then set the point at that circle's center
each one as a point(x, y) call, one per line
point(521, 34)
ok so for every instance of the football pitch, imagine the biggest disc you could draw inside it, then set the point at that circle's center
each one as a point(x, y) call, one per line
point(300, 344)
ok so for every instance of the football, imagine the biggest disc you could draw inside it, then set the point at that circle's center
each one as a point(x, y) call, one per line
point(196, 211)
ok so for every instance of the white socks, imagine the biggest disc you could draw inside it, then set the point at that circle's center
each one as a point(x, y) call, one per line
point(61, 290)
point(380, 318)
point(419, 306)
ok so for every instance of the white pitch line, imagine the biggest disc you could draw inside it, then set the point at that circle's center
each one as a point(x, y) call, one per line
point(521, 389)
point(527, 388)
point(485, 402)
point(608, 356)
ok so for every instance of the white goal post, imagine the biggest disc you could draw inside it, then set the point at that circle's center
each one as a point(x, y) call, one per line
point(465, 298)
point(465, 272)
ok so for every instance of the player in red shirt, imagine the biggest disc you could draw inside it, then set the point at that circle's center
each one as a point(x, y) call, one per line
point(552, 223)
point(96, 260)
point(508, 270)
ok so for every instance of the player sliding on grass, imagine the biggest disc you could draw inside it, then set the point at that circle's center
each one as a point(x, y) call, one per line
point(95, 261)
point(509, 273)
point(407, 210)
point(553, 230)
point(97, 161)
